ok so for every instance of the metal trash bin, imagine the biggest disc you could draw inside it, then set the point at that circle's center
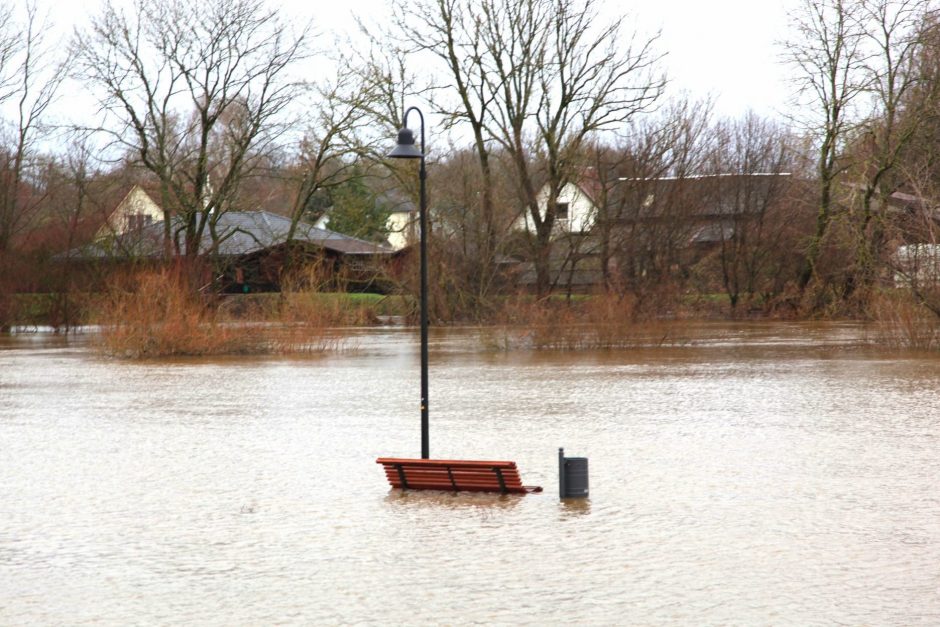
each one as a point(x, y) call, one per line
point(572, 476)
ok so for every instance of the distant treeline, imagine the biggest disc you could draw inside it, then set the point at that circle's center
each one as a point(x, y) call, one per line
point(201, 103)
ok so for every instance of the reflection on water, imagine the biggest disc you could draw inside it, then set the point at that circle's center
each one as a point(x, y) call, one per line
point(758, 474)
point(438, 501)
point(575, 507)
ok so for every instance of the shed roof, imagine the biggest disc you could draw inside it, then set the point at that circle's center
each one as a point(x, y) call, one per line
point(240, 233)
point(246, 232)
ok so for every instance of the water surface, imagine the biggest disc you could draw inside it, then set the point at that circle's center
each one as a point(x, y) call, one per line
point(761, 474)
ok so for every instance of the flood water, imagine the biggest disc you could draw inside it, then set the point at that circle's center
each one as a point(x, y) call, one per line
point(761, 474)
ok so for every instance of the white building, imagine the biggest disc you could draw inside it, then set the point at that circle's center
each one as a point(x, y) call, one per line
point(574, 210)
point(136, 211)
point(402, 227)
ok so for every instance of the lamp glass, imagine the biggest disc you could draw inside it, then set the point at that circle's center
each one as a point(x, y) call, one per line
point(406, 149)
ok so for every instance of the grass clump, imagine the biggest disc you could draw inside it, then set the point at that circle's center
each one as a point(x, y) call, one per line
point(902, 322)
point(158, 314)
point(595, 322)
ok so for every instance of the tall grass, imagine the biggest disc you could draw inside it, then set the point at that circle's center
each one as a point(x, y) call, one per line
point(901, 322)
point(158, 314)
point(302, 301)
point(594, 322)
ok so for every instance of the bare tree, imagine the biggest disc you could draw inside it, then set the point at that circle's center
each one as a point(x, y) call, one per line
point(31, 72)
point(751, 165)
point(827, 52)
point(902, 92)
point(329, 152)
point(195, 91)
point(847, 49)
point(535, 79)
point(9, 47)
point(645, 207)
point(548, 62)
point(913, 233)
point(381, 83)
point(80, 197)
point(451, 30)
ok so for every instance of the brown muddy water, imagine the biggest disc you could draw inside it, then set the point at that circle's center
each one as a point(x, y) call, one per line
point(762, 474)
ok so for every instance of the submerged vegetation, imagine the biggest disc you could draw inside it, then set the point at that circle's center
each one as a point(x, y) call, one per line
point(157, 314)
point(902, 322)
point(596, 322)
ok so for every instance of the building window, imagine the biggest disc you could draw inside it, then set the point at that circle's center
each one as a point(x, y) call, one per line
point(561, 211)
point(137, 221)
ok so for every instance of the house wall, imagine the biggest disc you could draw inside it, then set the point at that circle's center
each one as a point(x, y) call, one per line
point(323, 222)
point(581, 211)
point(401, 228)
point(136, 210)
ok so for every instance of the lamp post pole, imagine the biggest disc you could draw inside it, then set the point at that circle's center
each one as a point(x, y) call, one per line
point(423, 238)
point(406, 150)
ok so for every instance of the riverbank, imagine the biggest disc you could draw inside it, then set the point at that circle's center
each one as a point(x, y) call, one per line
point(156, 319)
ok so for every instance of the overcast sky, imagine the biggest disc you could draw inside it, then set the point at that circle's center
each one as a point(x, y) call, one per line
point(723, 48)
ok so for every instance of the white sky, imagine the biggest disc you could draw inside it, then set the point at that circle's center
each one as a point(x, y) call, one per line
point(722, 48)
point(726, 48)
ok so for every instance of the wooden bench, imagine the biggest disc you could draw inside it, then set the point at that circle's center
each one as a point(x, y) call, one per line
point(455, 475)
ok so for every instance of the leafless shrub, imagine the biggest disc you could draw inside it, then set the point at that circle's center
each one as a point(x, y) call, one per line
point(595, 322)
point(157, 314)
point(902, 322)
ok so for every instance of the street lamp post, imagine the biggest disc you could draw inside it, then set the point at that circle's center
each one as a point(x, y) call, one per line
point(406, 150)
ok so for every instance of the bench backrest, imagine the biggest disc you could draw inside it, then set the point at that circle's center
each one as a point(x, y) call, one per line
point(456, 475)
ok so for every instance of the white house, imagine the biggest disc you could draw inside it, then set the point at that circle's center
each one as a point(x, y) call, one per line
point(402, 227)
point(574, 210)
point(135, 212)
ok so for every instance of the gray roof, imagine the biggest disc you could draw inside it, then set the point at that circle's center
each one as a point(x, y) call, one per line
point(240, 233)
point(245, 232)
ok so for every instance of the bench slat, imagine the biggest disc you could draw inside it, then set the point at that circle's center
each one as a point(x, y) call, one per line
point(493, 485)
point(409, 482)
point(411, 477)
point(459, 475)
point(443, 472)
point(508, 476)
point(456, 463)
point(446, 488)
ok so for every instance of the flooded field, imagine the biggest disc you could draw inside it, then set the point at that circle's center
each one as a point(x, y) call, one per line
point(758, 474)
